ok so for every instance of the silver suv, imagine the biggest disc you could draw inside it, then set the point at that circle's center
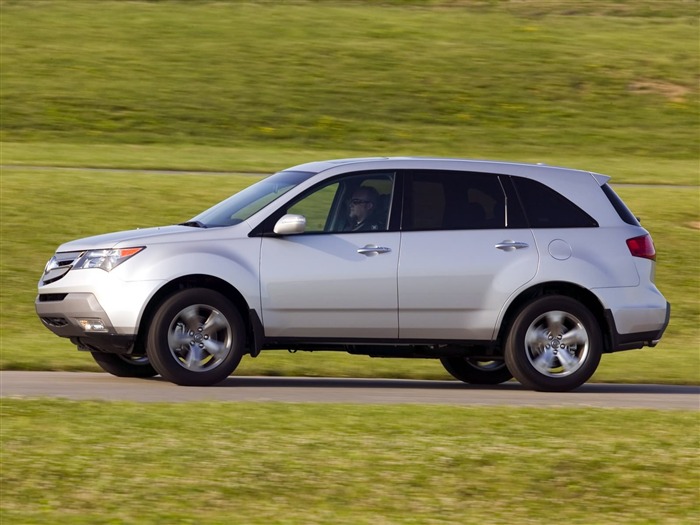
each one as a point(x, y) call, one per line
point(499, 270)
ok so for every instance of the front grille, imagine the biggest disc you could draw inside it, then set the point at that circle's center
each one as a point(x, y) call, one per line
point(59, 265)
point(66, 258)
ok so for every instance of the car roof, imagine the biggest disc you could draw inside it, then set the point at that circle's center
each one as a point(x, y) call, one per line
point(442, 163)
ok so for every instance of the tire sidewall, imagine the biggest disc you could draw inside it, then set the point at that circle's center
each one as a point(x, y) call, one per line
point(158, 349)
point(516, 352)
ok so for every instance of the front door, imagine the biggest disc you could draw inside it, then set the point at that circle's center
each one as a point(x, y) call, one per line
point(338, 279)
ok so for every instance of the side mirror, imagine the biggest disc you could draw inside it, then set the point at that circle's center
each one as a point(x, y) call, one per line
point(290, 224)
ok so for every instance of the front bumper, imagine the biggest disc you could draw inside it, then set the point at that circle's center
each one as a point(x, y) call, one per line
point(62, 313)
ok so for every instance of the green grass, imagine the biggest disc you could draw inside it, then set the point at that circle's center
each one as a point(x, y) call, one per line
point(277, 463)
point(517, 79)
point(266, 158)
point(603, 85)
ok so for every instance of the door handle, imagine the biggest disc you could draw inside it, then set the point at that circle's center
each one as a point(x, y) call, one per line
point(509, 246)
point(370, 250)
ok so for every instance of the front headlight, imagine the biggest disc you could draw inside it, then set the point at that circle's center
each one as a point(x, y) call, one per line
point(106, 260)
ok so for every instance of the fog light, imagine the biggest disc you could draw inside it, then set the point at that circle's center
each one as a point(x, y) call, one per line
point(92, 325)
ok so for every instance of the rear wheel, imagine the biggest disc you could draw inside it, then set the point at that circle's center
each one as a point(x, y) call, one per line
point(196, 338)
point(124, 365)
point(477, 372)
point(554, 344)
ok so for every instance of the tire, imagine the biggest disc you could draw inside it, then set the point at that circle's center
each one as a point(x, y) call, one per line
point(477, 372)
point(546, 331)
point(124, 365)
point(196, 338)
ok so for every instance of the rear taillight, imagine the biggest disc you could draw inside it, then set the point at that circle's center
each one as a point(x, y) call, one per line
point(642, 246)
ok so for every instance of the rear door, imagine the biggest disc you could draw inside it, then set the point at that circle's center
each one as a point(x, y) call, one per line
point(461, 259)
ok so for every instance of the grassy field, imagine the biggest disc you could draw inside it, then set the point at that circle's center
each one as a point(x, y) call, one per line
point(526, 80)
point(256, 86)
point(219, 463)
point(268, 158)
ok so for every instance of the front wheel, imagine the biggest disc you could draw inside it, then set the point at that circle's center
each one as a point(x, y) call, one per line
point(124, 365)
point(554, 345)
point(477, 372)
point(196, 338)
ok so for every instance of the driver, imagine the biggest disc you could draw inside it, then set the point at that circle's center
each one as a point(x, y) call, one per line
point(363, 210)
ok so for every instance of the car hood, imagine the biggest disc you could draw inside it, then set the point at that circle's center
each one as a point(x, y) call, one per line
point(138, 237)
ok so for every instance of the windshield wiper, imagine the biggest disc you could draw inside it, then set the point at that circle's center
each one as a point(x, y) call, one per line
point(194, 224)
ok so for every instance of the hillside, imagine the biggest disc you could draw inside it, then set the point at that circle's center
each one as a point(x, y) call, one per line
point(515, 79)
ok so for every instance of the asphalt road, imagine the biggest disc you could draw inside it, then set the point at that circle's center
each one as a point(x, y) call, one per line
point(100, 386)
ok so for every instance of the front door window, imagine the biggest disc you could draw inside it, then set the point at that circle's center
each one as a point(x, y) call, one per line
point(350, 204)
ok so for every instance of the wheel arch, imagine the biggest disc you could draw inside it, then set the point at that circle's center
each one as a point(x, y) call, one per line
point(583, 295)
point(196, 281)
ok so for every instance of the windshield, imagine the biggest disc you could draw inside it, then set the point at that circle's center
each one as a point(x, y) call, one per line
point(249, 201)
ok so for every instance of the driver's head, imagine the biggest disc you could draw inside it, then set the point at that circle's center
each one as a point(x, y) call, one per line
point(363, 202)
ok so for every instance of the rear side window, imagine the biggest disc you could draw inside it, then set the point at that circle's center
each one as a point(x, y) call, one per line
point(545, 208)
point(448, 200)
point(622, 210)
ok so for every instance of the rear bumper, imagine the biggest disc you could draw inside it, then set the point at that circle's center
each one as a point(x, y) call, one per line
point(629, 341)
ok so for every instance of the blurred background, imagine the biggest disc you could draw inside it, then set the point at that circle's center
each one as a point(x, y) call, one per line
point(204, 90)
point(118, 114)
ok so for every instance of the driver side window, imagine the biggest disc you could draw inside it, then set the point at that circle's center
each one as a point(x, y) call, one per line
point(353, 203)
point(316, 208)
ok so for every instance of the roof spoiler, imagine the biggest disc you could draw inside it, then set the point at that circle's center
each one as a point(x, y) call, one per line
point(600, 179)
